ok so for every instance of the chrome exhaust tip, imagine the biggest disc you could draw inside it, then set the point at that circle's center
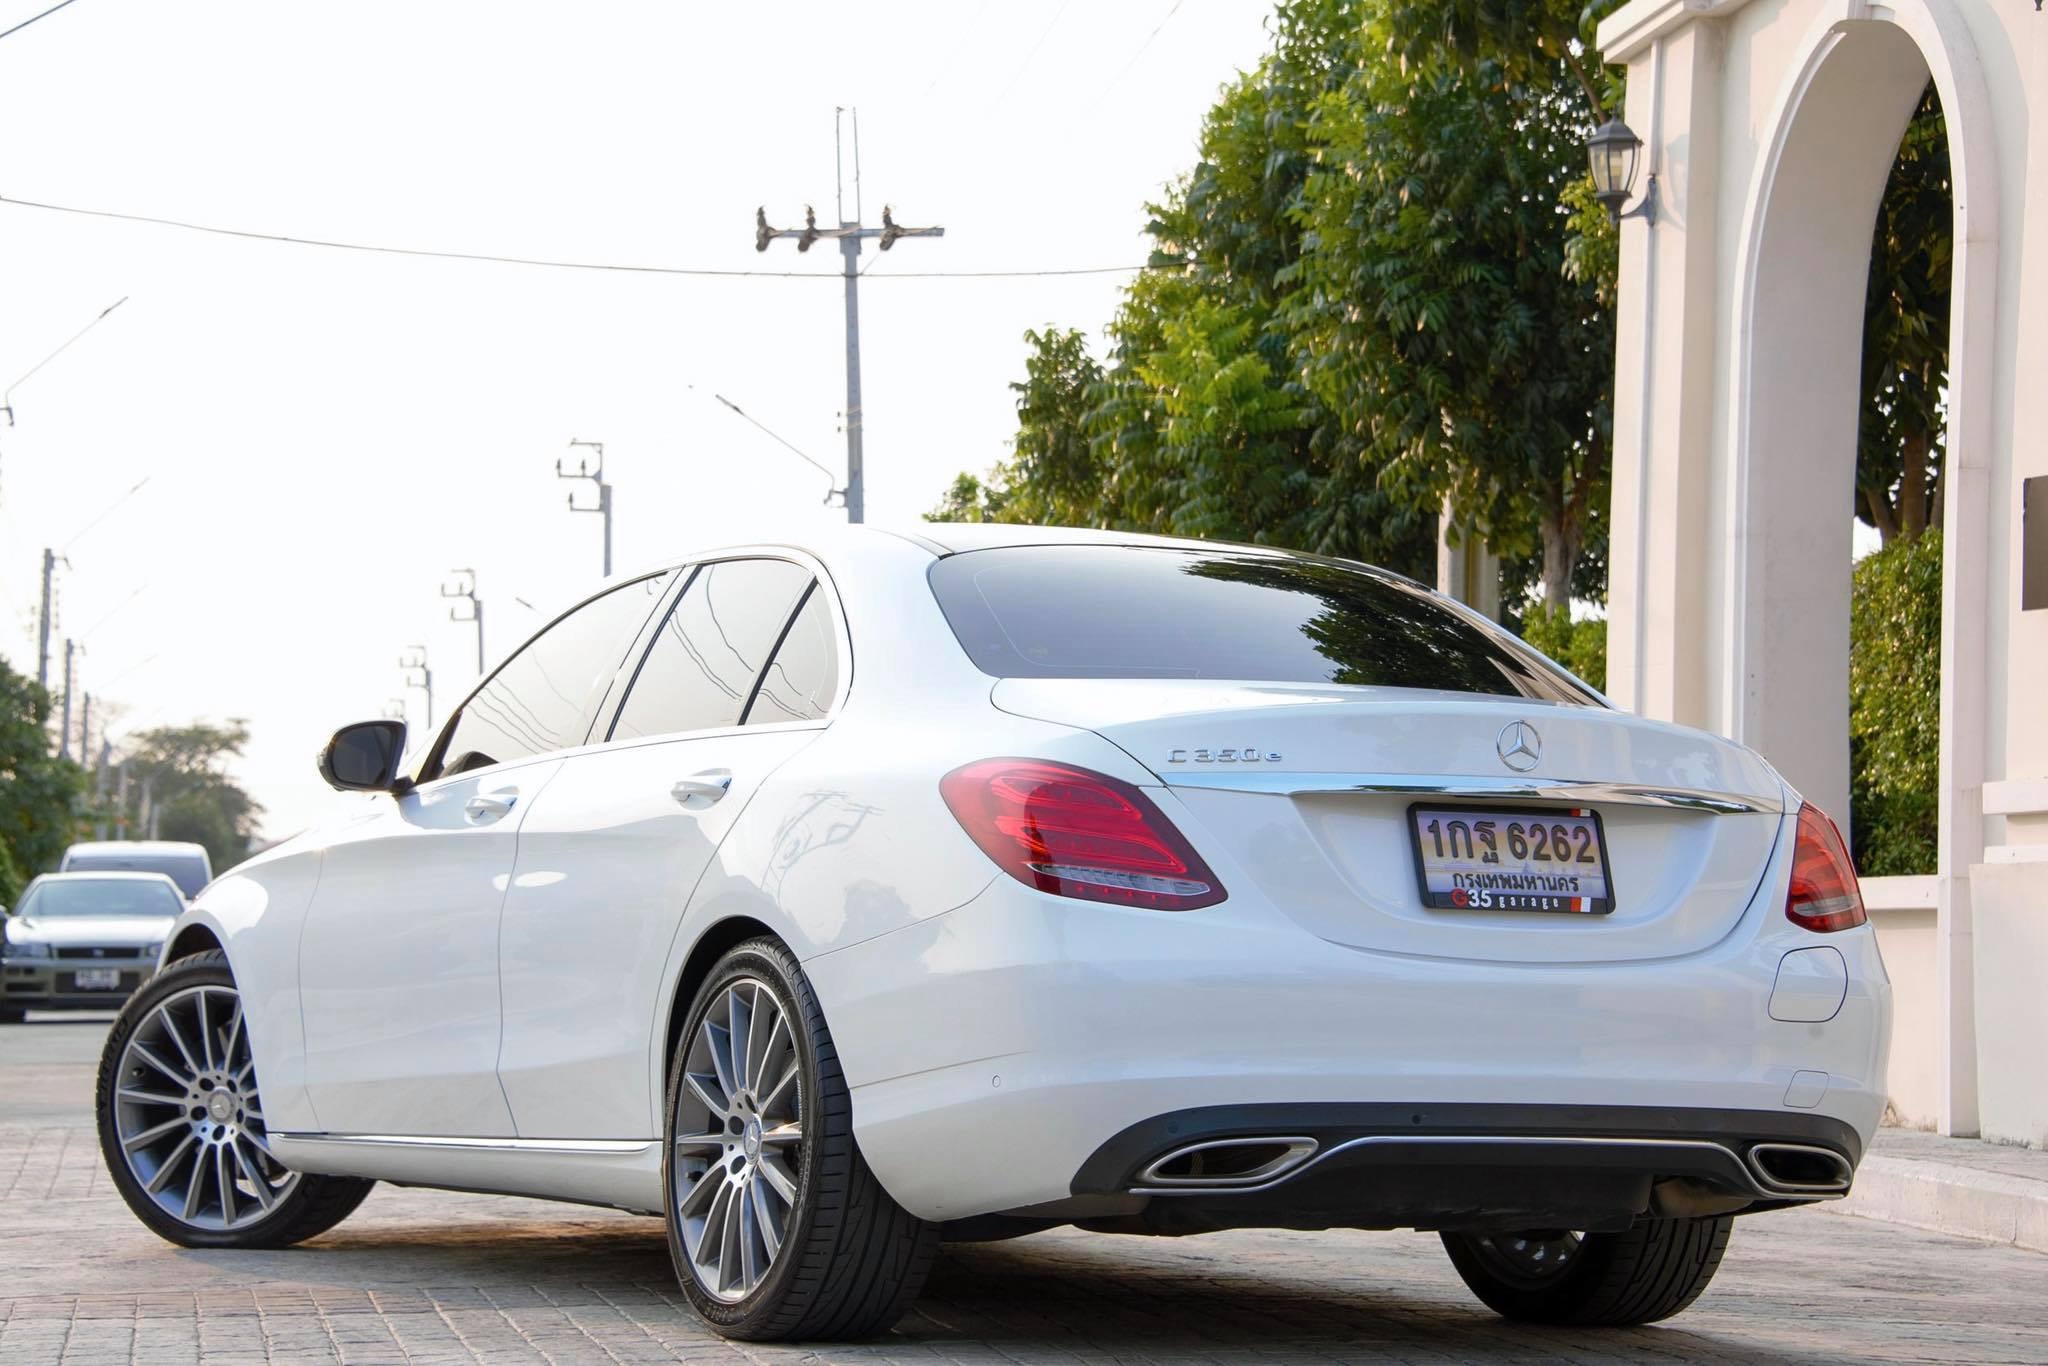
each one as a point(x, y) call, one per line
point(1227, 1163)
point(1800, 1169)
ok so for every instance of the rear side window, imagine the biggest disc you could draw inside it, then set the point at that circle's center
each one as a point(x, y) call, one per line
point(1138, 612)
point(805, 671)
point(545, 697)
point(708, 655)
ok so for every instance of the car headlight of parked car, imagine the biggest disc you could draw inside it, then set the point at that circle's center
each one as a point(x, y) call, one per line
point(155, 950)
point(14, 950)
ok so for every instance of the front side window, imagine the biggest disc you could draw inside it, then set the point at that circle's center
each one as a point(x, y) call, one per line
point(545, 697)
point(1091, 611)
point(707, 657)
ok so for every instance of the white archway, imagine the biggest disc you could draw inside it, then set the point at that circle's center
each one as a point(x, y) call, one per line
point(1803, 257)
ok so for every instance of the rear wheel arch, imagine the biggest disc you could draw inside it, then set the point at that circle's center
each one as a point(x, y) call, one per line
point(704, 955)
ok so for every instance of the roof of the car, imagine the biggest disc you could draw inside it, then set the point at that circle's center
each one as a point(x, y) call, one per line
point(135, 847)
point(952, 538)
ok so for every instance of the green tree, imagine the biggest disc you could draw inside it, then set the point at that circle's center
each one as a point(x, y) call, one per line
point(40, 794)
point(1442, 311)
point(186, 770)
point(1895, 706)
point(1899, 449)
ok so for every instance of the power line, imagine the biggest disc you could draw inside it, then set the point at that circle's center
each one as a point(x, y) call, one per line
point(1030, 56)
point(1143, 47)
point(550, 263)
point(7, 399)
point(44, 15)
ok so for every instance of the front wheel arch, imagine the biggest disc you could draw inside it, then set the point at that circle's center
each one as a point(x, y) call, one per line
point(193, 939)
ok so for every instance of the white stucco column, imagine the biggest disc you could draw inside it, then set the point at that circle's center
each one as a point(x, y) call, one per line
point(1465, 568)
point(1660, 584)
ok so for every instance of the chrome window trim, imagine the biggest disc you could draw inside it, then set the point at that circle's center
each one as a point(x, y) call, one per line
point(1507, 789)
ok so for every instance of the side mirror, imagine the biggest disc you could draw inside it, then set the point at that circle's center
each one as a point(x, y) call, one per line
point(364, 757)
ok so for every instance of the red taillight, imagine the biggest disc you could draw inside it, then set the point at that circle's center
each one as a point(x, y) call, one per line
point(1824, 893)
point(1074, 833)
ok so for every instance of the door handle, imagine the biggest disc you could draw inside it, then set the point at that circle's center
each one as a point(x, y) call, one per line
point(702, 789)
point(486, 807)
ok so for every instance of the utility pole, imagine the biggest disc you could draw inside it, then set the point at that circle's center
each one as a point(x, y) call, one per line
point(414, 662)
point(84, 722)
point(604, 493)
point(121, 800)
point(464, 587)
point(99, 787)
point(850, 234)
point(64, 735)
point(394, 709)
point(50, 558)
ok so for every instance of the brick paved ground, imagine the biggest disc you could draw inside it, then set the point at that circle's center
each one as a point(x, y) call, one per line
point(431, 1277)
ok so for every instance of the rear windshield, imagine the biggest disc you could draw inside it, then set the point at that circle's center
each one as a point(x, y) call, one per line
point(1138, 612)
point(188, 872)
point(101, 896)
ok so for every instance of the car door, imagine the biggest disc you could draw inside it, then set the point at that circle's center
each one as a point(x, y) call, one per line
point(398, 962)
point(741, 675)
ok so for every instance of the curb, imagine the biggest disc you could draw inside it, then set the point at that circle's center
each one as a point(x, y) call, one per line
point(1943, 1197)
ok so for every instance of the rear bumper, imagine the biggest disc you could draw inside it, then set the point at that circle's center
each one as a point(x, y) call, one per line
point(994, 1052)
point(1461, 1166)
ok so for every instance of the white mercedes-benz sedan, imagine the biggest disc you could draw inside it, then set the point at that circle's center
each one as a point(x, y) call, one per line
point(834, 901)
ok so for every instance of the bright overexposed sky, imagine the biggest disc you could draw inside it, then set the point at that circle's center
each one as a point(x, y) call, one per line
point(326, 433)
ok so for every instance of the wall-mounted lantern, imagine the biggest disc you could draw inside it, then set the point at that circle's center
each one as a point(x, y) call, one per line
point(1613, 150)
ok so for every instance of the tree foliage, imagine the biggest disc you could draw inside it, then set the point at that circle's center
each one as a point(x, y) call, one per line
point(185, 768)
point(1895, 706)
point(40, 794)
point(1899, 449)
point(1368, 294)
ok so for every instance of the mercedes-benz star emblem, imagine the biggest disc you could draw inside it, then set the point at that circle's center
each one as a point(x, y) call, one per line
point(1519, 746)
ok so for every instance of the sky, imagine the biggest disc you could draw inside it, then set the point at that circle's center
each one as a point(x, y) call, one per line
point(326, 434)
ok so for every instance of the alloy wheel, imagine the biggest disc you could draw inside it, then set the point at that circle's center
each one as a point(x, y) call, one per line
point(1530, 1259)
point(738, 1140)
point(189, 1117)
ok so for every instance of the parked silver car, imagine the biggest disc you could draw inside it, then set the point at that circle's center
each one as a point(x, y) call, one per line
point(84, 941)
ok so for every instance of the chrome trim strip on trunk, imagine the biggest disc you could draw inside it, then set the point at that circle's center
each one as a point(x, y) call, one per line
point(587, 1146)
point(1503, 788)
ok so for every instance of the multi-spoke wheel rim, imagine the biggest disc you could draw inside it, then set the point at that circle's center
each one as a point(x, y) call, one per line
point(188, 1115)
point(738, 1140)
point(1531, 1259)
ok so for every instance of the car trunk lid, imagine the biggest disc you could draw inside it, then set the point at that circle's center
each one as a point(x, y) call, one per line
point(1306, 789)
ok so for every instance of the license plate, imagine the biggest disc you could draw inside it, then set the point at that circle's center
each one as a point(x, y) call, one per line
point(1507, 859)
point(99, 979)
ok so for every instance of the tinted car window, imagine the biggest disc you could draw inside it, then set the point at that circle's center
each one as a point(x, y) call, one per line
point(706, 658)
point(187, 870)
point(805, 671)
point(101, 896)
point(1130, 612)
point(545, 697)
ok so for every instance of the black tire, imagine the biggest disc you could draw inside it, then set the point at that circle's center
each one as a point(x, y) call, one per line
point(313, 1204)
point(851, 1260)
point(1650, 1272)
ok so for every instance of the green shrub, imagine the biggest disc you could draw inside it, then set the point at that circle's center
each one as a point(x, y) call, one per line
point(1580, 646)
point(1895, 706)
